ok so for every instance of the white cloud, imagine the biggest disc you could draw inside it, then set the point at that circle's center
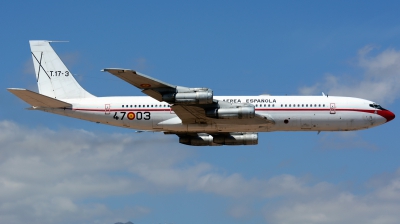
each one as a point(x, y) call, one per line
point(46, 177)
point(239, 211)
point(380, 205)
point(390, 191)
point(344, 140)
point(379, 82)
point(45, 173)
point(344, 208)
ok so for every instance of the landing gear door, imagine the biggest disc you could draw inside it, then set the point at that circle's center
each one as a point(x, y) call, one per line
point(333, 108)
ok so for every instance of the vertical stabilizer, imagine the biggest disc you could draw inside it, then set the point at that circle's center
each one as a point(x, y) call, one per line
point(53, 77)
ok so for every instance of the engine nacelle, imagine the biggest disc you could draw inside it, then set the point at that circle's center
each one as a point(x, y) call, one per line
point(199, 140)
point(237, 139)
point(240, 112)
point(190, 96)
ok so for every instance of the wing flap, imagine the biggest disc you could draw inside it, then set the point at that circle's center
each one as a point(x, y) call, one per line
point(38, 100)
point(190, 114)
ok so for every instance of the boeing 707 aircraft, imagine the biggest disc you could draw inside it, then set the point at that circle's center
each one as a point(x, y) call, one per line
point(195, 115)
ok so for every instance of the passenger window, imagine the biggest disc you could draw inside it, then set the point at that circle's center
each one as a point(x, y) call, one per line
point(306, 105)
point(323, 105)
point(310, 105)
point(281, 105)
point(290, 105)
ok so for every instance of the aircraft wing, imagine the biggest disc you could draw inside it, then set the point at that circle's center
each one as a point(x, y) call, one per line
point(190, 114)
point(189, 104)
point(150, 86)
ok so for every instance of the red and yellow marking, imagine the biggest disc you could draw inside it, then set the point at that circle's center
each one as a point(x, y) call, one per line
point(131, 115)
point(145, 85)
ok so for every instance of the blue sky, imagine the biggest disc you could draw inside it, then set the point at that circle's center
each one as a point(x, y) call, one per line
point(56, 169)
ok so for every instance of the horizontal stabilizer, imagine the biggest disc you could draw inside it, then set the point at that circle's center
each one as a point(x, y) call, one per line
point(37, 99)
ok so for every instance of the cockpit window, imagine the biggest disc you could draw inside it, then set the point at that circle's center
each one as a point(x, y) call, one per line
point(377, 106)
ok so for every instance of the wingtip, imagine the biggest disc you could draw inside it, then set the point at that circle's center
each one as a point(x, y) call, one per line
point(15, 89)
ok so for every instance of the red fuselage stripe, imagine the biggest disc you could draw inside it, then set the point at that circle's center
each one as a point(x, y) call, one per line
point(258, 109)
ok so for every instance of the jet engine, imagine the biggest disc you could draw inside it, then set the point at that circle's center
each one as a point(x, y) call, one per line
point(239, 112)
point(196, 140)
point(189, 96)
point(237, 139)
point(216, 140)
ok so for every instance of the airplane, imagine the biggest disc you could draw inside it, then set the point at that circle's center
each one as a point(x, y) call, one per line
point(195, 115)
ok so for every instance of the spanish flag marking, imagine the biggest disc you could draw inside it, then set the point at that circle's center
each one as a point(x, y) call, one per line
point(131, 116)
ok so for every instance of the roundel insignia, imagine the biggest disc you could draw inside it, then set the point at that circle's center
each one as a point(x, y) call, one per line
point(145, 85)
point(131, 116)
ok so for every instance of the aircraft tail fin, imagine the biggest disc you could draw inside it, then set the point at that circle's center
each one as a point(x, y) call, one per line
point(37, 99)
point(53, 77)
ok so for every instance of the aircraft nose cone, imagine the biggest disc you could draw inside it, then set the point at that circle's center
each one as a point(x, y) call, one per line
point(388, 115)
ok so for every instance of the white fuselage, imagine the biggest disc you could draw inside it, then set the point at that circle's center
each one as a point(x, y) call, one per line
point(195, 115)
point(290, 113)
